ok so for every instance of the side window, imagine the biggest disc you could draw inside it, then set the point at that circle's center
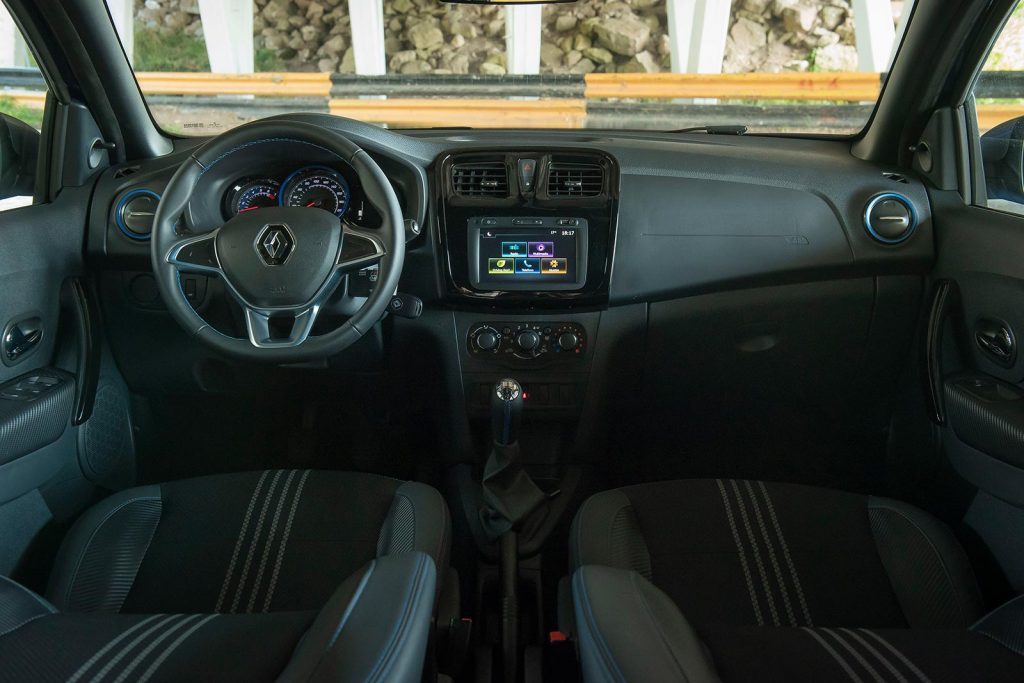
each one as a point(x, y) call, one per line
point(22, 95)
point(1000, 110)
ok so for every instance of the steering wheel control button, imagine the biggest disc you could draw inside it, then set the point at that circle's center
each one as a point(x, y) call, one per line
point(890, 218)
point(275, 244)
point(198, 253)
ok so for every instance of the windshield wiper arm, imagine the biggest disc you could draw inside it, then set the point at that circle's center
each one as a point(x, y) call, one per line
point(714, 130)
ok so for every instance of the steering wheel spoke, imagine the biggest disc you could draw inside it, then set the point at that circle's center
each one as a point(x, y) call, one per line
point(359, 249)
point(280, 329)
point(196, 255)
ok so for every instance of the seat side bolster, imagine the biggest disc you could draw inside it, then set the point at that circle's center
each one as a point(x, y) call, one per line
point(374, 628)
point(104, 550)
point(1005, 625)
point(606, 532)
point(19, 605)
point(418, 520)
point(629, 630)
point(929, 570)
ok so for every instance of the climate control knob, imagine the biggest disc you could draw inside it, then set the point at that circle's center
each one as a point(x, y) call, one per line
point(487, 341)
point(568, 341)
point(528, 340)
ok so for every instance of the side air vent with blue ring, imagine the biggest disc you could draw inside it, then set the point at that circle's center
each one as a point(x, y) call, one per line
point(890, 218)
point(134, 213)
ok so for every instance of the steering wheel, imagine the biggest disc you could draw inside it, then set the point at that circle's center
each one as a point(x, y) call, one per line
point(279, 263)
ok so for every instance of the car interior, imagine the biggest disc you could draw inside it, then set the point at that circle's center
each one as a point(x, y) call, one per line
point(310, 398)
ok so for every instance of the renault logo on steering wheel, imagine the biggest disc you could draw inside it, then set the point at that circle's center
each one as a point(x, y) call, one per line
point(275, 244)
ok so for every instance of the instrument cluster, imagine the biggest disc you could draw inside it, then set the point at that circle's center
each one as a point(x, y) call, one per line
point(314, 187)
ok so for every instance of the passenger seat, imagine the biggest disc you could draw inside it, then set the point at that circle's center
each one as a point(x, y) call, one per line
point(745, 580)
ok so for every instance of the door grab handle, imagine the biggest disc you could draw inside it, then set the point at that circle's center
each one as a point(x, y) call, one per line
point(21, 337)
point(995, 338)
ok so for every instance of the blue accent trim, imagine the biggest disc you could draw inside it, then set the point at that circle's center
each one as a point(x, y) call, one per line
point(120, 207)
point(342, 210)
point(901, 199)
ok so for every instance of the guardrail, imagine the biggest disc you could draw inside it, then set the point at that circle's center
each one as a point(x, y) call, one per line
point(665, 100)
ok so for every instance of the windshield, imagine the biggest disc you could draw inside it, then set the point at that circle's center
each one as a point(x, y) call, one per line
point(800, 66)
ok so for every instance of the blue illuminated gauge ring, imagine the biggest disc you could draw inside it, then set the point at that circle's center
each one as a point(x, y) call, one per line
point(902, 200)
point(312, 172)
point(119, 211)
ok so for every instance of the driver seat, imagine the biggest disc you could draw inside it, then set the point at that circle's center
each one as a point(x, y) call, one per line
point(288, 575)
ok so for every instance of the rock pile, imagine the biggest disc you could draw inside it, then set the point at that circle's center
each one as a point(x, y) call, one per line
point(425, 36)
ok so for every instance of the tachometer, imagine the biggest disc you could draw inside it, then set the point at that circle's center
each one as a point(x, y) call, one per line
point(316, 187)
point(252, 193)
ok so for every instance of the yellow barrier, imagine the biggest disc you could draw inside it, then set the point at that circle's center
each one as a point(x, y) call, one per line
point(269, 84)
point(847, 87)
point(476, 113)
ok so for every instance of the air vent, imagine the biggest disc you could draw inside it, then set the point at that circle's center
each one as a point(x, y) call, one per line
point(575, 180)
point(481, 179)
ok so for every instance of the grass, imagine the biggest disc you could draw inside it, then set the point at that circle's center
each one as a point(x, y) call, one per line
point(176, 51)
point(29, 115)
point(182, 52)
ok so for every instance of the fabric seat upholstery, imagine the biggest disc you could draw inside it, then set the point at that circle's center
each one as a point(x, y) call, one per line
point(242, 542)
point(277, 575)
point(748, 552)
point(718, 580)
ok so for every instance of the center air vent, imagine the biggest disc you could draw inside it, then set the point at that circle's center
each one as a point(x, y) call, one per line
point(480, 179)
point(575, 180)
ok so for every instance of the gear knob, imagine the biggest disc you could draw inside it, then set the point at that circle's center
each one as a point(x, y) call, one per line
point(506, 410)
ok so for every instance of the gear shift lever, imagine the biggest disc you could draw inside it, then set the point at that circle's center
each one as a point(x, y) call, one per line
point(506, 411)
point(510, 497)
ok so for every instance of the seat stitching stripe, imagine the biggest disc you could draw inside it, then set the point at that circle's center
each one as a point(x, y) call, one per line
point(835, 655)
point(770, 599)
point(148, 673)
point(121, 677)
point(268, 547)
point(134, 643)
point(238, 543)
point(878, 655)
point(755, 504)
point(856, 655)
point(106, 648)
point(899, 655)
point(284, 541)
point(254, 541)
point(785, 553)
point(742, 554)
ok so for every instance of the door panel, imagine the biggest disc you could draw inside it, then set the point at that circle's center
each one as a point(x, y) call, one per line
point(982, 373)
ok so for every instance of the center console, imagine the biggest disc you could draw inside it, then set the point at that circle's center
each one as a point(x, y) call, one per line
point(526, 241)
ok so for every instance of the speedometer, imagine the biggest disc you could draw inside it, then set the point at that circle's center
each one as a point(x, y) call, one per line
point(251, 193)
point(316, 187)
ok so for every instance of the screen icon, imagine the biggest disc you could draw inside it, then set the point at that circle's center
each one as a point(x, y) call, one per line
point(554, 266)
point(542, 249)
point(528, 266)
point(500, 266)
point(513, 249)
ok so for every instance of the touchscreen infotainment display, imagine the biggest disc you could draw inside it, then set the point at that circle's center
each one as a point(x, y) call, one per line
point(528, 253)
